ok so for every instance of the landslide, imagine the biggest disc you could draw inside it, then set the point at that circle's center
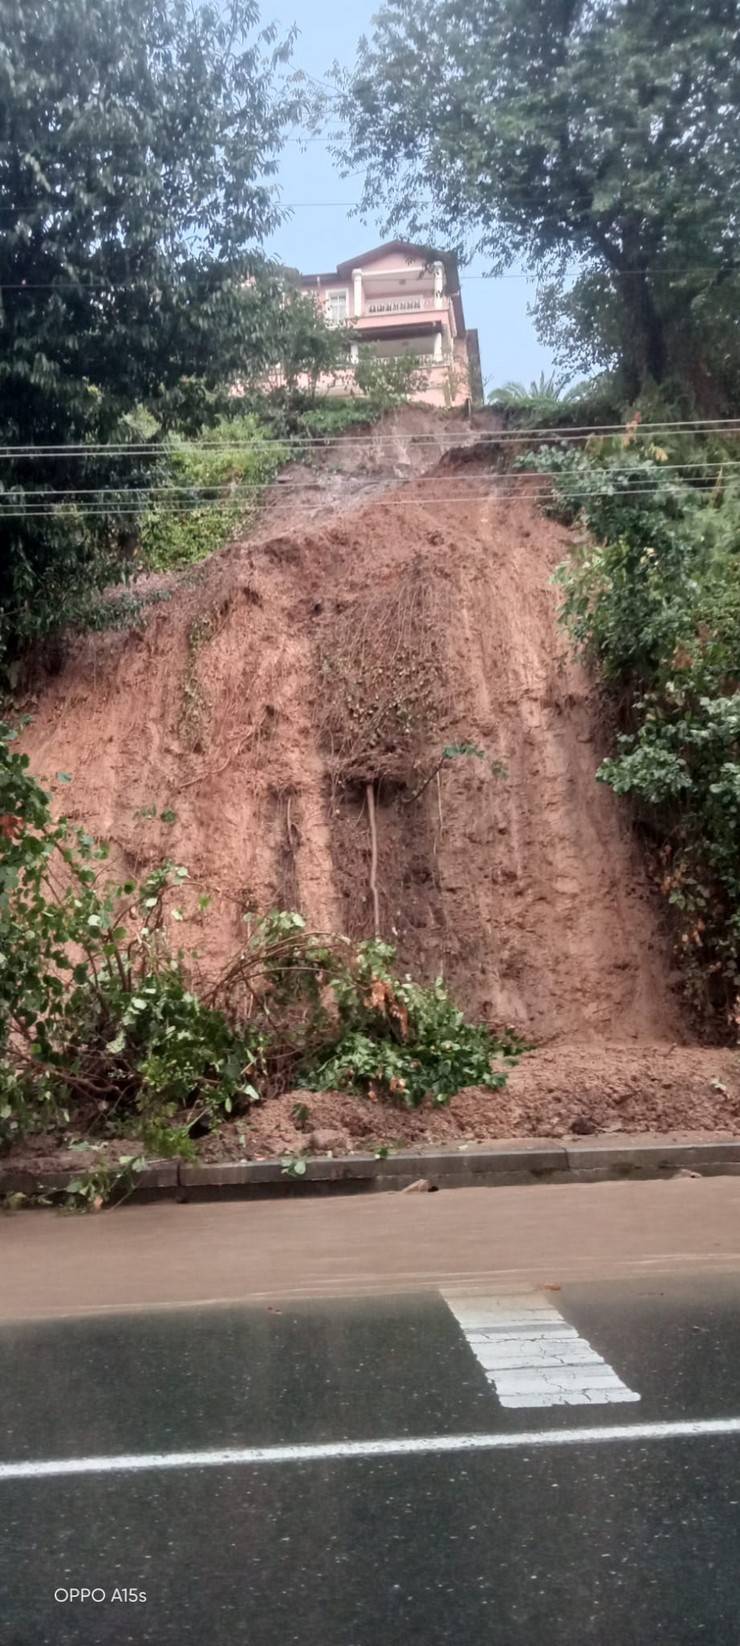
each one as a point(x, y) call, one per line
point(305, 683)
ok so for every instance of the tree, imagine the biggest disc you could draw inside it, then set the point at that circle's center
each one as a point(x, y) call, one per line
point(306, 347)
point(600, 134)
point(137, 144)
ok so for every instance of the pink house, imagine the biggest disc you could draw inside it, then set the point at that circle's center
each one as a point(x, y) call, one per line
point(402, 299)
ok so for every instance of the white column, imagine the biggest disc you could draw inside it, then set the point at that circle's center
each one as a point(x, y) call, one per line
point(354, 353)
point(438, 347)
point(439, 284)
point(357, 283)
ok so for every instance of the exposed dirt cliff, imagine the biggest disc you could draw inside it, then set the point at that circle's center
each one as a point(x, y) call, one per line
point(392, 604)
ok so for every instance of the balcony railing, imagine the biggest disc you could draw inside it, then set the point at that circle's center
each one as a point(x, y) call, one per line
point(398, 305)
point(424, 361)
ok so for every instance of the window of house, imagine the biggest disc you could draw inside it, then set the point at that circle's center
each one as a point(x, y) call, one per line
point(337, 306)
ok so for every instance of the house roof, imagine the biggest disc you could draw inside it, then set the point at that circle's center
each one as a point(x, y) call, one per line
point(413, 253)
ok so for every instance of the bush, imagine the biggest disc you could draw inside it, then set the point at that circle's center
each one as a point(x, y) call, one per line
point(347, 1021)
point(207, 492)
point(96, 1015)
point(297, 414)
point(653, 596)
point(388, 383)
point(401, 1040)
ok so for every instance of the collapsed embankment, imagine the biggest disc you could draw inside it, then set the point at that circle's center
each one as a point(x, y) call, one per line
point(383, 658)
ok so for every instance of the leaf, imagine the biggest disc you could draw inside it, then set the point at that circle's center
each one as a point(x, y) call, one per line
point(64, 777)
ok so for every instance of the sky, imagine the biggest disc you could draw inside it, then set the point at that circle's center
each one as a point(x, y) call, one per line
point(320, 233)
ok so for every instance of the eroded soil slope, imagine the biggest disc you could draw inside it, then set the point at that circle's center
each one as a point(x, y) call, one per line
point(390, 610)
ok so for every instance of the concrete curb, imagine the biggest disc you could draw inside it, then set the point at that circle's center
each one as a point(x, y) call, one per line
point(477, 1165)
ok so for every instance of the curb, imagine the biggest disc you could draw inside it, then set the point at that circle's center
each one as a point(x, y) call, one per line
point(476, 1166)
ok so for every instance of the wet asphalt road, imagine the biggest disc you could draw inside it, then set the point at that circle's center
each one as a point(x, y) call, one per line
point(630, 1542)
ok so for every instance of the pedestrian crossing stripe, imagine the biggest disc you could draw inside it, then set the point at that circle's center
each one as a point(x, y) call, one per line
point(530, 1354)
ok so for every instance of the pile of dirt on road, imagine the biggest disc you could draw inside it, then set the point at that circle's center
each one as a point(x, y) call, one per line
point(571, 1090)
point(564, 1091)
point(255, 705)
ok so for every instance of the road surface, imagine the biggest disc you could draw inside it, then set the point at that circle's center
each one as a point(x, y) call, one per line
point(536, 1440)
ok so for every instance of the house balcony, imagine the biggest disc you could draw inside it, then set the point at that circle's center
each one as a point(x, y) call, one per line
point(425, 336)
point(383, 315)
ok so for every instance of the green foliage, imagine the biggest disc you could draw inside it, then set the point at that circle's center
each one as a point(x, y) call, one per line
point(207, 493)
point(454, 751)
point(333, 415)
point(99, 1184)
point(102, 1029)
point(119, 609)
point(459, 751)
point(293, 1166)
point(388, 383)
point(541, 400)
point(602, 139)
point(402, 1040)
point(95, 1010)
point(137, 144)
point(653, 596)
point(299, 413)
point(306, 346)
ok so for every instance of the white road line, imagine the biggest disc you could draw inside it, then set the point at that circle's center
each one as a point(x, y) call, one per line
point(339, 1451)
point(531, 1355)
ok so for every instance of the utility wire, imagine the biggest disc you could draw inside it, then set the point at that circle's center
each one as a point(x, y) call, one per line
point(315, 205)
point(424, 500)
point(235, 488)
point(471, 441)
point(465, 279)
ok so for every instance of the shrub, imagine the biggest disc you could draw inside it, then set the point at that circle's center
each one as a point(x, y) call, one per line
point(653, 596)
point(399, 1039)
point(96, 1014)
point(388, 383)
point(207, 492)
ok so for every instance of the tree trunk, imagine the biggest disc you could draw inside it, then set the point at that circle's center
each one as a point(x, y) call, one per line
point(644, 343)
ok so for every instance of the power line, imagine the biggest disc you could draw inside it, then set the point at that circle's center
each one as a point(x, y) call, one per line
point(233, 489)
point(402, 499)
point(469, 441)
point(465, 279)
point(300, 205)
